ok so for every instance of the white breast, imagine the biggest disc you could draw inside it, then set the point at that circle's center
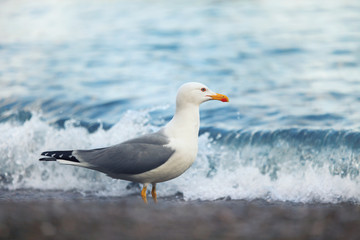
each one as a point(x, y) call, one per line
point(182, 132)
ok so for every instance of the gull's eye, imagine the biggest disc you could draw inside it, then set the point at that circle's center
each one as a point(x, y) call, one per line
point(203, 89)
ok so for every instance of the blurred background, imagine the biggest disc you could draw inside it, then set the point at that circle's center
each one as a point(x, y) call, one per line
point(82, 74)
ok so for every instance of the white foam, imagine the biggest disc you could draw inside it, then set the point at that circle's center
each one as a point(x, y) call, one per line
point(307, 184)
point(21, 146)
point(217, 173)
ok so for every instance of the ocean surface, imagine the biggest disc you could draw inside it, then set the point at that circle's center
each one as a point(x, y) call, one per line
point(88, 74)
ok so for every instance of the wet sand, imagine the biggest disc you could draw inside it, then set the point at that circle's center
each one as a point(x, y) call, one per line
point(51, 217)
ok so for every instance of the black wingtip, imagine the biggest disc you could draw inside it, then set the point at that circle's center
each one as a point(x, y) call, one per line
point(47, 159)
point(54, 155)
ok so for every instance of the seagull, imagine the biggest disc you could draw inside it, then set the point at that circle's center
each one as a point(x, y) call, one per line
point(154, 157)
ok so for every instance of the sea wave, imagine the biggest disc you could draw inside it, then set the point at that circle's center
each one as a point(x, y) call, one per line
point(299, 165)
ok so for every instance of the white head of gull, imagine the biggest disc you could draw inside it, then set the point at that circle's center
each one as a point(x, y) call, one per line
point(151, 158)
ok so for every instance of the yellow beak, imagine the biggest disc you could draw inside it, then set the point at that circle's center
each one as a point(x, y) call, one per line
point(219, 97)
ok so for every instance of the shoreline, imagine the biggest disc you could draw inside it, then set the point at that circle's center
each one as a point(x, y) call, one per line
point(48, 217)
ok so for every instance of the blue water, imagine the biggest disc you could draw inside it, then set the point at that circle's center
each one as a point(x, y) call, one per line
point(87, 74)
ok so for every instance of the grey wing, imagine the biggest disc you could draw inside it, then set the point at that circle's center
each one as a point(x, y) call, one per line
point(131, 157)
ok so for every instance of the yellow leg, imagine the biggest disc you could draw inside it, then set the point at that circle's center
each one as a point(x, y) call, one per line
point(143, 193)
point(153, 192)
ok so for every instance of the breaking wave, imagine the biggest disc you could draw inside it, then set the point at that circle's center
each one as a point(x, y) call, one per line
point(299, 165)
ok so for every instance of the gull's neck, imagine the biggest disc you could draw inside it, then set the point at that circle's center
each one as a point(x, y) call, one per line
point(185, 122)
